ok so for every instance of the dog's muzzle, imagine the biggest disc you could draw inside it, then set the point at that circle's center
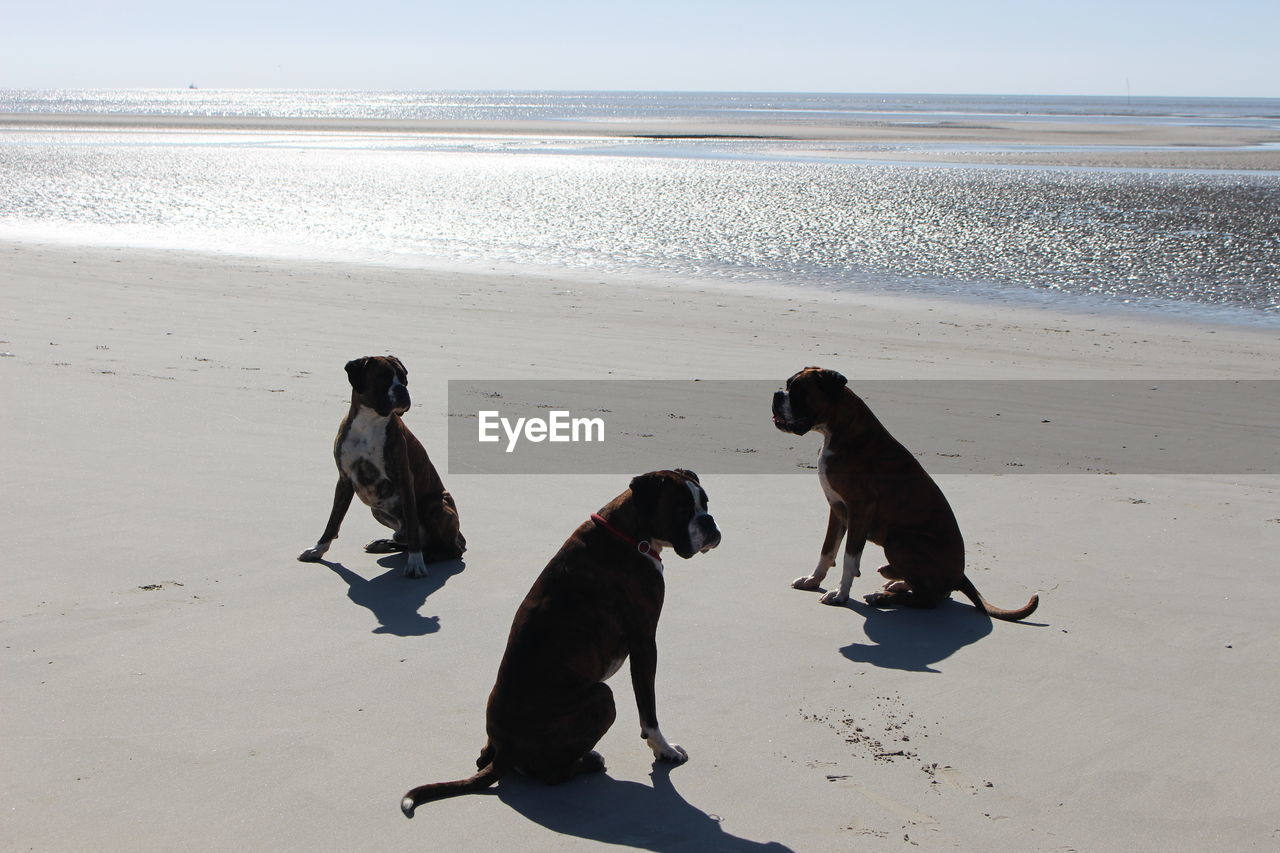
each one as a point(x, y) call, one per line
point(398, 396)
point(705, 534)
point(783, 418)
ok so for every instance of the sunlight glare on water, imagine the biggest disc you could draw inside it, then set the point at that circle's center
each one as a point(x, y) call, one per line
point(1197, 238)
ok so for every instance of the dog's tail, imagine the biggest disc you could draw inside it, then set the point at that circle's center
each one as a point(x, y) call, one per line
point(440, 790)
point(966, 586)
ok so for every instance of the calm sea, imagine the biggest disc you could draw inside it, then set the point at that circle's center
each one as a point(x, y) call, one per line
point(1193, 242)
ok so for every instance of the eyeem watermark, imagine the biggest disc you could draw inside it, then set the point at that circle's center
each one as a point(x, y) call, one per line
point(1054, 426)
point(557, 426)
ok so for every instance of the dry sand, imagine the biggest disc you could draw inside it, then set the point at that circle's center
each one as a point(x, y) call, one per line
point(174, 679)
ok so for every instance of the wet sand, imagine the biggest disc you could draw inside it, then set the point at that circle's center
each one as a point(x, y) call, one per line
point(1054, 143)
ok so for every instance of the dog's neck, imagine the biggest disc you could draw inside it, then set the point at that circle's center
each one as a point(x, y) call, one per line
point(367, 416)
point(615, 521)
point(848, 421)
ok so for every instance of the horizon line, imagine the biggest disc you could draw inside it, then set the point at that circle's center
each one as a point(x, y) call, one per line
point(192, 86)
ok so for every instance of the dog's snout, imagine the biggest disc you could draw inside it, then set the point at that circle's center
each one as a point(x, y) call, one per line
point(710, 534)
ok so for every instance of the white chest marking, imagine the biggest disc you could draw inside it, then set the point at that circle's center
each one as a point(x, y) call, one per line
point(824, 458)
point(362, 455)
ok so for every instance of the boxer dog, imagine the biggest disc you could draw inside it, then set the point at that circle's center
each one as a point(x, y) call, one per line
point(380, 460)
point(877, 491)
point(596, 603)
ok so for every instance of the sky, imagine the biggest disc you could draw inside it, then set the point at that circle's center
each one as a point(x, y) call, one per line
point(1222, 48)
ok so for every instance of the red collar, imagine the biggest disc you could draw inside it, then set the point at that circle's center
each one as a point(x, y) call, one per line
point(644, 547)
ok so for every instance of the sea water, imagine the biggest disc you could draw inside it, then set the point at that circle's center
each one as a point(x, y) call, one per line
point(1205, 243)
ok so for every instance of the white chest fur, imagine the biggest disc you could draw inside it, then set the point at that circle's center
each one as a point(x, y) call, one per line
point(824, 457)
point(363, 453)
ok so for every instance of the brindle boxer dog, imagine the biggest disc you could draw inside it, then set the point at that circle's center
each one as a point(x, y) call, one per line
point(380, 460)
point(596, 603)
point(877, 491)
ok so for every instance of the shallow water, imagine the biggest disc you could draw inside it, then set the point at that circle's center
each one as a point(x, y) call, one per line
point(1194, 242)
point(778, 107)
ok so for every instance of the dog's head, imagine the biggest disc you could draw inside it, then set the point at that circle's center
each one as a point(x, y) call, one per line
point(673, 507)
point(807, 399)
point(380, 382)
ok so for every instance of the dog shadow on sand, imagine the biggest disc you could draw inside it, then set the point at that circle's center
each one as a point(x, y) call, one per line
point(611, 811)
point(914, 640)
point(394, 599)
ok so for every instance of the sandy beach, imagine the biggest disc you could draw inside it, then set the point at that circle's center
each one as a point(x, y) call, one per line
point(175, 679)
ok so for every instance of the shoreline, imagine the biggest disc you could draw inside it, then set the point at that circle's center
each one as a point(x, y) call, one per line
point(1071, 143)
point(450, 283)
point(992, 297)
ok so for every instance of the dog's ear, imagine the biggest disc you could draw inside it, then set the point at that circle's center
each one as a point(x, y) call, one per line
point(645, 487)
point(355, 373)
point(685, 472)
point(401, 372)
point(829, 381)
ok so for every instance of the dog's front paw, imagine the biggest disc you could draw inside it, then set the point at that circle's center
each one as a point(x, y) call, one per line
point(312, 555)
point(878, 599)
point(808, 582)
point(664, 750)
point(415, 566)
point(834, 597)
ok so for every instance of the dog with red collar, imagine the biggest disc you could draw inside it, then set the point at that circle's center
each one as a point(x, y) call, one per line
point(594, 605)
point(380, 460)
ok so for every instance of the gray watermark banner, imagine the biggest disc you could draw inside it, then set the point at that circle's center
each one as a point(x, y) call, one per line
point(624, 427)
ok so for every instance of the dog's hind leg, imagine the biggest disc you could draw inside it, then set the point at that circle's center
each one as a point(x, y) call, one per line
point(579, 730)
point(914, 575)
point(387, 546)
point(837, 526)
point(892, 582)
point(902, 596)
point(384, 546)
point(442, 538)
point(486, 755)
